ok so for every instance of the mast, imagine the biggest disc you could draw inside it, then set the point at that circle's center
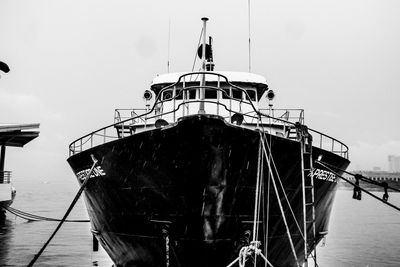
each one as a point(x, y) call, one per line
point(203, 67)
point(169, 42)
point(248, 7)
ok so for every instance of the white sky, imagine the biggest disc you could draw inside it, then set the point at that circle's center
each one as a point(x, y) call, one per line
point(73, 62)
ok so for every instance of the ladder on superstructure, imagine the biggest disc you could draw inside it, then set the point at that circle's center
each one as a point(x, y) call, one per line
point(308, 193)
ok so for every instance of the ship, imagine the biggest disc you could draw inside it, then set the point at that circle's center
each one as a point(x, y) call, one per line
point(203, 175)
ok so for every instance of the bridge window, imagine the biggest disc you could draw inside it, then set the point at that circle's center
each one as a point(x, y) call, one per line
point(192, 93)
point(252, 94)
point(232, 93)
point(167, 94)
point(225, 93)
point(210, 93)
point(179, 94)
point(236, 93)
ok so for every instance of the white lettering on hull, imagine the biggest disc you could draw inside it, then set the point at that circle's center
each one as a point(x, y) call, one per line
point(324, 175)
point(97, 171)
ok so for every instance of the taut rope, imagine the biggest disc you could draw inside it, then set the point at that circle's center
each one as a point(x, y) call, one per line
point(66, 214)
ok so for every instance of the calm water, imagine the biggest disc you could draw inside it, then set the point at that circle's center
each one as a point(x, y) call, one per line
point(361, 233)
point(72, 246)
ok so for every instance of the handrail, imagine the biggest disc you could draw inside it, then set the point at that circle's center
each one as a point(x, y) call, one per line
point(343, 153)
point(207, 73)
point(285, 114)
point(157, 102)
point(257, 114)
point(5, 177)
point(132, 111)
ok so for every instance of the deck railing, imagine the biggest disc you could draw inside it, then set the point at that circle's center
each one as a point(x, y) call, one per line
point(5, 177)
point(179, 105)
point(290, 116)
point(123, 114)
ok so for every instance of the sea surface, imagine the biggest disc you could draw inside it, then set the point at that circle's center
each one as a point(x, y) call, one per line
point(361, 233)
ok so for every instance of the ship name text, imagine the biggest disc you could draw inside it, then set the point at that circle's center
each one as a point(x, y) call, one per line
point(97, 171)
point(324, 175)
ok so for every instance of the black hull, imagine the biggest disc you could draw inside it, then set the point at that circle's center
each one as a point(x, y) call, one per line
point(196, 181)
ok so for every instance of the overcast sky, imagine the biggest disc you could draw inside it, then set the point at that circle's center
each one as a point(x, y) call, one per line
point(73, 62)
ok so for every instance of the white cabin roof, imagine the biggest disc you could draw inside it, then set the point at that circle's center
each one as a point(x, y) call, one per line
point(232, 77)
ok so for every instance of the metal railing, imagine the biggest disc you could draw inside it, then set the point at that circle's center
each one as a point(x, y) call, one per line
point(5, 177)
point(179, 106)
point(122, 114)
point(288, 115)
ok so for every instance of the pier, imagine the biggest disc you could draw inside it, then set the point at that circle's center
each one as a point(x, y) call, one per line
point(392, 178)
point(14, 135)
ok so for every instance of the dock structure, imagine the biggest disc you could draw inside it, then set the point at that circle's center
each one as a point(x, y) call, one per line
point(379, 175)
point(12, 135)
point(391, 178)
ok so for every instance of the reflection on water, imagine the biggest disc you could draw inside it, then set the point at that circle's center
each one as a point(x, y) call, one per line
point(21, 240)
point(6, 230)
point(361, 233)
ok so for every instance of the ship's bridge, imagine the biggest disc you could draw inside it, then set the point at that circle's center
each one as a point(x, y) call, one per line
point(217, 93)
point(254, 84)
point(232, 96)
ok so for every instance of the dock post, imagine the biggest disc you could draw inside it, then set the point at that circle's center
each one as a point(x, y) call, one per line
point(2, 161)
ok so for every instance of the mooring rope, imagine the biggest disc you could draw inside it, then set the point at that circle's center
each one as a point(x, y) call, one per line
point(266, 218)
point(248, 251)
point(283, 189)
point(265, 208)
point(257, 196)
point(33, 217)
point(325, 165)
point(253, 249)
point(363, 178)
point(280, 205)
point(66, 214)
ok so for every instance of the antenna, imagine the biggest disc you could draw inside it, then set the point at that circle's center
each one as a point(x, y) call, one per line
point(203, 68)
point(204, 58)
point(169, 40)
point(248, 7)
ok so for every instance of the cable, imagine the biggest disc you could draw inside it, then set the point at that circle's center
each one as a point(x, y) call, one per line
point(248, 9)
point(279, 201)
point(363, 178)
point(260, 189)
point(66, 214)
point(280, 183)
point(169, 41)
point(323, 164)
point(33, 217)
point(198, 45)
